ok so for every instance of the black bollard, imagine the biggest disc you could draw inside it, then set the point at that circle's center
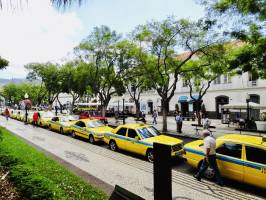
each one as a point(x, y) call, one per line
point(162, 172)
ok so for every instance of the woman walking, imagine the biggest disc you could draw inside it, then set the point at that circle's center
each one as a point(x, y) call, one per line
point(7, 114)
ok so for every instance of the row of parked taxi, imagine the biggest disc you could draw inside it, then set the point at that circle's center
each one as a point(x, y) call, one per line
point(239, 157)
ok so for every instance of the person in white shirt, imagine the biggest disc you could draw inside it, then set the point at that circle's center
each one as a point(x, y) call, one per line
point(179, 122)
point(210, 158)
point(206, 122)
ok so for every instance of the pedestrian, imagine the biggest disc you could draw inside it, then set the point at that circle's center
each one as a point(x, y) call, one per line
point(179, 122)
point(35, 119)
point(154, 116)
point(7, 114)
point(209, 146)
point(143, 116)
point(206, 122)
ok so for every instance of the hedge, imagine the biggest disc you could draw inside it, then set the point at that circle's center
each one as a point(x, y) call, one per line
point(38, 177)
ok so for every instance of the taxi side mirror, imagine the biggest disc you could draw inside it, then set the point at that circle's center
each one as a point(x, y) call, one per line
point(137, 138)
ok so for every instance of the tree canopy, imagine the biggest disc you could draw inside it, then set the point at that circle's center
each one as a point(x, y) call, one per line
point(250, 28)
point(3, 63)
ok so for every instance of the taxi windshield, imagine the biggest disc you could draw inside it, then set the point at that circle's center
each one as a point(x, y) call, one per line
point(94, 113)
point(68, 118)
point(95, 124)
point(48, 115)
point(147, 132)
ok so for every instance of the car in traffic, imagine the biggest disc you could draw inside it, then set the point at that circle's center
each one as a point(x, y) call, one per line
point(62, 123)
point(91, 129)
point(93, 114)
point(239, 157)
point(139, 139)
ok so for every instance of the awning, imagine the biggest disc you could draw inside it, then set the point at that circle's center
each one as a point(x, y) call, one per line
point(194, 98)
point(243, 105)
point(183, 99)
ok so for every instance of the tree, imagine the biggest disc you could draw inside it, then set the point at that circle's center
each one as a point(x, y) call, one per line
point(99, 55)
point(36, 92)
point(162, 40)
point(71, 83)
point(131, 64)
point(250, 17)
point(48, 75)
point(11, 93)
point(211, 63)
point(3, 63)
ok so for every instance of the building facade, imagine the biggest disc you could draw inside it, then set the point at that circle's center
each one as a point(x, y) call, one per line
point(222, 91)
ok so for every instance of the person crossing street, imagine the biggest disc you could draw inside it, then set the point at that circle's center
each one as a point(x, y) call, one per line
point(210, 158)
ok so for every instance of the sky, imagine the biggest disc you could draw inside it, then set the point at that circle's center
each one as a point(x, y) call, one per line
point(39, 32)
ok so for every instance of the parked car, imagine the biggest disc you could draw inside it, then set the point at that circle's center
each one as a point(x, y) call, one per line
point(62, 123)
point(239, 157)
point(139, 139)
point(91, 129)
point(45, 116)
point(92, 114)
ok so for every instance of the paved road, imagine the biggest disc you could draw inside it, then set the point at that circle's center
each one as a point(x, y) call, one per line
point(127, 170)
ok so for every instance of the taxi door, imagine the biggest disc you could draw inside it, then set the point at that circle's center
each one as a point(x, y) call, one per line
point(255, 166)
point(80, 129)
point(54, 123)
point(230, 160)
point(133, 143)
point(120, 138)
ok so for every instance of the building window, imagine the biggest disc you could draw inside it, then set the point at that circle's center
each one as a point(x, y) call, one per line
point(254, 98)
point(185, 83)
point(252, 76)
point(217, 80)
point(225, 79)
point(229, 79)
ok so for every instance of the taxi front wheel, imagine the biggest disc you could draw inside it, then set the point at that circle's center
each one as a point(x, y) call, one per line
point(91, 139)
point(149, 155)
point(73, 134)
point(113, 145)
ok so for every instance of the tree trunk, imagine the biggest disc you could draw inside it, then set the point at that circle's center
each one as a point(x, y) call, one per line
point(198, 104)
point(105, 103)
point(104, 108)
point(137, 108)
point(60, 104)
point(165, 112)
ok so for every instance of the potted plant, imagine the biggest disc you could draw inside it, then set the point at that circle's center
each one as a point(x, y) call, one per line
point(261, 125)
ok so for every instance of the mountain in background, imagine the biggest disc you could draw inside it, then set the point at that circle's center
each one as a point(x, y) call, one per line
point(4, 81)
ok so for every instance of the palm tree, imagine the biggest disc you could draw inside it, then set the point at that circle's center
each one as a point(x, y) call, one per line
point(59, 3)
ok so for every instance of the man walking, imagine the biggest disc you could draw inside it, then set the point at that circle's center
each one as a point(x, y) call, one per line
point(210, 158)
point(154, 116)
point(179, 122)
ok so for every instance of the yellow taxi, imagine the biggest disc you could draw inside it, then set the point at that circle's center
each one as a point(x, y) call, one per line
point(62, 123)
point(239, 157)
point(91, 129)
point(45, 116)
point(19, 115)
point(139, 139)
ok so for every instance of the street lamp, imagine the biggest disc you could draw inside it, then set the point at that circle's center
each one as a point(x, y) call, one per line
point(26, 96)
point(248, 100)
point(123, 109)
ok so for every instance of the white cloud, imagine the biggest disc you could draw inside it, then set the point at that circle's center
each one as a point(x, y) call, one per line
point(36, 33)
